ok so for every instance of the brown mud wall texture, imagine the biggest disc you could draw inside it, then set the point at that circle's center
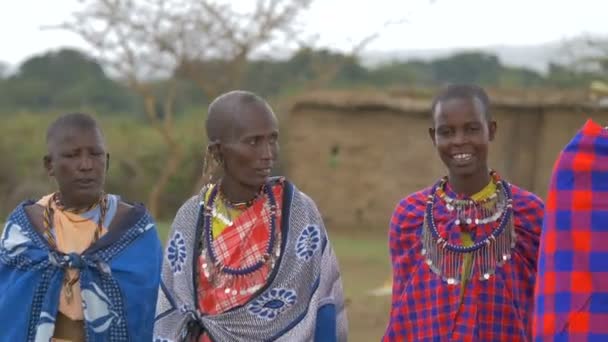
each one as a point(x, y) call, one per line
point(358, 154)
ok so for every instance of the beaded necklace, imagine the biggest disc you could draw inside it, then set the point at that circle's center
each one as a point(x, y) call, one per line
point(446, 259)
point(239, 205)
point(68, 282)
point(468, 211)
point(214, 269)
point(224, 215)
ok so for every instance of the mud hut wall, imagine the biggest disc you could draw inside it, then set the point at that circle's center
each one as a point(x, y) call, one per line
point(383, 155)
point(380, 158)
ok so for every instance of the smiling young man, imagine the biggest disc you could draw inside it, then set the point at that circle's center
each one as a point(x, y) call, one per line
point(79, 264)
point(464, 250)
point(248, 259)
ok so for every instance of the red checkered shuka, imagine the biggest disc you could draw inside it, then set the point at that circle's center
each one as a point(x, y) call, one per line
point(241, 244)
point(571, 299)
point(426, 308)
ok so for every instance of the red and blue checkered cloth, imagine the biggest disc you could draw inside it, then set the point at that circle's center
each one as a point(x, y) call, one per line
point(572, 287)
point(425, 308)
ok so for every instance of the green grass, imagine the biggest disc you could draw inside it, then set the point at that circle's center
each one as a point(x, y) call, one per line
point(365, 265)
point(163, 230)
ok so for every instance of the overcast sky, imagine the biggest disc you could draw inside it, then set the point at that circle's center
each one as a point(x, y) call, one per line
point(420, 24)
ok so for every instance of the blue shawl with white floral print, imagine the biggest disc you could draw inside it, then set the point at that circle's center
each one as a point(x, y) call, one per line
point(119, 277)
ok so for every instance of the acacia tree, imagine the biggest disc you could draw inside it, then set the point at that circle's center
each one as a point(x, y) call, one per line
point(205, 41)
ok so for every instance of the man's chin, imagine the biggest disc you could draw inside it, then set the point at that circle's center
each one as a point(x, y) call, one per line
point(464, 171)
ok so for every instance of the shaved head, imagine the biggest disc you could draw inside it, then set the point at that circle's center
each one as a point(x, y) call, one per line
point(226, 110)
point(79, 121)
point(243, 135)
point(464, 92)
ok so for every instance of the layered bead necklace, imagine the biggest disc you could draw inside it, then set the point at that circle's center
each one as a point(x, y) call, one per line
point(214, 270)
point(468, 211)
point(446, 259)
point(68, 282)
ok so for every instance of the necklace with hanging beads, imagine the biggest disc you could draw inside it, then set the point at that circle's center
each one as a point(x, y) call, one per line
point(446, 259)
point(468, 211)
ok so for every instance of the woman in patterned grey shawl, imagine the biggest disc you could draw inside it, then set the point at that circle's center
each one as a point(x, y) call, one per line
point(248, 259)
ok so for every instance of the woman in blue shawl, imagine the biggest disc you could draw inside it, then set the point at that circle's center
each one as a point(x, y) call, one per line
point(79, 264)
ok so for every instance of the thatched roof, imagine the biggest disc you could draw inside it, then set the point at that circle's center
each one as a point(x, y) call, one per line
point(402, 102)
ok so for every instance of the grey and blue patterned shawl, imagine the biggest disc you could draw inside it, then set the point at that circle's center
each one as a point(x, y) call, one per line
point(119, 276)
point(302, 301)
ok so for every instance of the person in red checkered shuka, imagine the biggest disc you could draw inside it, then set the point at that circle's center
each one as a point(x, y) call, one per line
point(571, 298)
point(464, 250)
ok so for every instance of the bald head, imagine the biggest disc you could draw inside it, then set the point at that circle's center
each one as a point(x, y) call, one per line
point(227, 109)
